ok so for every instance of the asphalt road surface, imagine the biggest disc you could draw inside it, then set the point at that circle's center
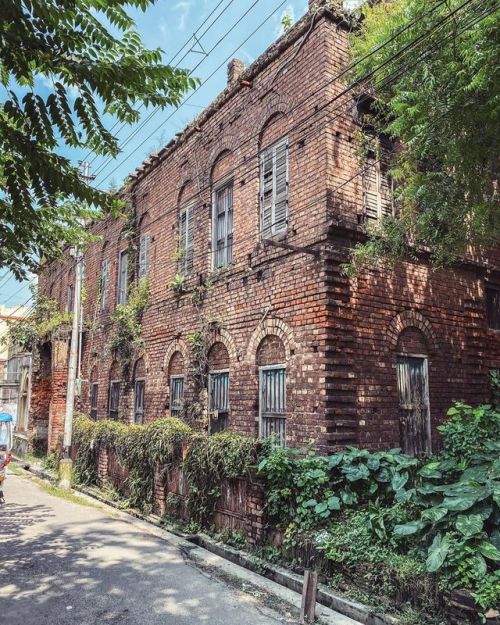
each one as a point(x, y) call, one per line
point(64, 563)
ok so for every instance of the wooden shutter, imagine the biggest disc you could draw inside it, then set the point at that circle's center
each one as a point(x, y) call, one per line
point(272, 403)
point(176, 395)
point(266, 193)
point(189, 240)
point(144, 247)
point(122, 277)
point(104, 283)
point(280, 215)
point(139, 401)
point(223, 225)
point(370, 187)
point(93, 400)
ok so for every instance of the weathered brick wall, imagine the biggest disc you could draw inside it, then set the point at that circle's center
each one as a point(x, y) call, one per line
point(283, 305)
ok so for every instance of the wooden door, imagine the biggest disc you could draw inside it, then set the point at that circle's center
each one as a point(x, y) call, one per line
point(414, 414)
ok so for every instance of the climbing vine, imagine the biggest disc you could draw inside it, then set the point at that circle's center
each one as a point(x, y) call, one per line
point(128, 322)
point(45, 318)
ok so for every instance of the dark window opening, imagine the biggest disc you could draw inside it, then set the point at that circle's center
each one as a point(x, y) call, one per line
point(493, 306)
point(93, 400)
point(114, 399)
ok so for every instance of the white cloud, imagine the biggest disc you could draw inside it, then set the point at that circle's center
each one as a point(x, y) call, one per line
point(182, 8)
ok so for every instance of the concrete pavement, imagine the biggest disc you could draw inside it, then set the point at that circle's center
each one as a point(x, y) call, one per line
point(63, 563)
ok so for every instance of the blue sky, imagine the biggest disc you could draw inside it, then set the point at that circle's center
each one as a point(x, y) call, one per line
point(225, 29)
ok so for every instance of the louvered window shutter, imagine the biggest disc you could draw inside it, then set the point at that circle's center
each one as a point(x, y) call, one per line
point(266, 193)
point(189, 240)
point(370, 187)
point(144, 246)
point(181, 263)
point(280, 216)
point(104, 283)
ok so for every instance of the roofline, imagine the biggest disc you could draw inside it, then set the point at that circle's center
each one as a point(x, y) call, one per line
point(341, 17)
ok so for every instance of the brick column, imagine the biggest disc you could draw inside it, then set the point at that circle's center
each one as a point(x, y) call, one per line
point(159, 491)
point(102, 465)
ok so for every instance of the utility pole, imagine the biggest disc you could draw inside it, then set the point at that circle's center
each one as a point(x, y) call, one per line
point(66, 464)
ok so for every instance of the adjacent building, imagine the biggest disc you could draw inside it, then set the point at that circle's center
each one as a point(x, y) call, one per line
point(241, 226)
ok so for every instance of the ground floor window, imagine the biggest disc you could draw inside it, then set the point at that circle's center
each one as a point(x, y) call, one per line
point(139, 401)
point(218, 400)
point(272, 403)
point(114, 399)
point(176, 395)
point(414, 412)
point(93, 400)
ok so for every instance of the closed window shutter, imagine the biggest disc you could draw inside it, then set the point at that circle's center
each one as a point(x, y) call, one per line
point(144, 246)
point(385, 187)
point(123, 277)
point(370, 188)
point(104, 283)
point(266, 193)
point(223, 226)
point(181, 265)
point(189, 240)
point(281, 188)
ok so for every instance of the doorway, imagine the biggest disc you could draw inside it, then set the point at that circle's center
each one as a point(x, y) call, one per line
point(414, 412)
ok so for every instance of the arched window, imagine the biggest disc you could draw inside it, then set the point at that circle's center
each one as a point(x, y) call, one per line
point(222, 210)
point(139, 390)
point(271, 358)
point(114, 391)
point(218, 387)
point(413, 389)
point(176, 381)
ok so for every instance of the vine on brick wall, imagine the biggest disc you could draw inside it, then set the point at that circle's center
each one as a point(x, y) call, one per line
point(44, 319)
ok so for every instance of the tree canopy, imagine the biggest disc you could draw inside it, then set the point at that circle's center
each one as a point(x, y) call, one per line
point(435, 75)
point(91, 54)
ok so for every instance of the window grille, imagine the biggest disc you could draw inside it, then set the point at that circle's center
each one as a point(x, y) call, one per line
point(222, 225)
point(186, 241)
point(122, 277)
point(93, 400)
point(144, 249)
point(218, 400)
point(176, 395)
point(103, 286)
point(114, 399)
point(139, 401)
point(274, 189)
point(493, 306)
point(272, 403)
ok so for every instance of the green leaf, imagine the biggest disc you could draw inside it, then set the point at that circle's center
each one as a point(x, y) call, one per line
point(469, 525)
point(321, 507)
point(434, 514)
point(407, 529)
point(309, 503)
point(430, 470)
point(488, 550)
point(399, 480)
point(437, 553)
point(333, 503)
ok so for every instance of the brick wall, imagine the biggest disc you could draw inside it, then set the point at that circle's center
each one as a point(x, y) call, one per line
point(286, 303)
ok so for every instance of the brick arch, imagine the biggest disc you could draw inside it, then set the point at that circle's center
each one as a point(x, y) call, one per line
point(187, 191)
point(214, 175)
point(142, 354)
point(223, 336)
point(140, 368)
point(275, 102)
point(177, 345)
point(266, 328)
point(411, 319)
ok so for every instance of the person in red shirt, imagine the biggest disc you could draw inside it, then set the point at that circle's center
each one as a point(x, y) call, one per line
point(3, 473)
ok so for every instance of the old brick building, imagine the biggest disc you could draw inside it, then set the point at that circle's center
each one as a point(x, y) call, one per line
point(248, 215)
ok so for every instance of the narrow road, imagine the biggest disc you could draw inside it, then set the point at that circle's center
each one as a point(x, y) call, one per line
point(64, 563)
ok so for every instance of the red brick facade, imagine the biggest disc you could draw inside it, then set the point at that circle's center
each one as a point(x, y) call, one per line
point(286, 302)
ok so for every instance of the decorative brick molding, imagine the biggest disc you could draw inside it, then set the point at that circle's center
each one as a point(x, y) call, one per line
point(223, 336)
point(412, 319)
point(267, 327)
point(177, 345)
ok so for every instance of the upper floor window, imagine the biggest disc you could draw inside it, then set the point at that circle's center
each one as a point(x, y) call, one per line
point(144, 249)
point(104, 283)
point(122, 277)
point(186, 241)
point(222, 224)
point(377, 184)
point(493, 306)
point(70, 298)
point(274, 189)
